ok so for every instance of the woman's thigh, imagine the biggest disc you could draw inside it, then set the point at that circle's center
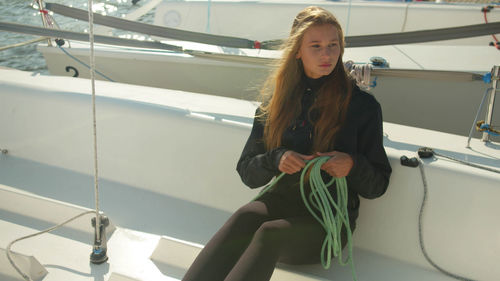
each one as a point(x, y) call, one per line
point(299, 239)
point(250, 216)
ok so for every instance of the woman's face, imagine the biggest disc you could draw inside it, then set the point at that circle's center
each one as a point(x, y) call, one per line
point(319, 50)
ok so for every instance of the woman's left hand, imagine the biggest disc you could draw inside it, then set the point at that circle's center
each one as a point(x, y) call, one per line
point(339, 165)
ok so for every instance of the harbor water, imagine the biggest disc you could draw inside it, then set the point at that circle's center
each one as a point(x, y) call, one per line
point(27, 12)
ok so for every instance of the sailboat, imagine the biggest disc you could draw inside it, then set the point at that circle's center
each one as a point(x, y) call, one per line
point(220, 41)
point(165, 192)
point(405, 75)
point(165, 183)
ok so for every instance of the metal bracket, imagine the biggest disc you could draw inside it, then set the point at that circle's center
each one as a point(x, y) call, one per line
point(495, 73)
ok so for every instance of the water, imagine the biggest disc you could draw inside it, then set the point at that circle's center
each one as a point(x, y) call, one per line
point(25, 12)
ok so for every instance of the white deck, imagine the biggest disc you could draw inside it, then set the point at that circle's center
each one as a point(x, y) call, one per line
point(164, 154)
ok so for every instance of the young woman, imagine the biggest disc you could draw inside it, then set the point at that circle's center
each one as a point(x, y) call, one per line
point(313, 108)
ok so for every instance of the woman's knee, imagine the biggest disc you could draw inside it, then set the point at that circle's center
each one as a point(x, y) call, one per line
point(296, 241)
point(251, 214)
point(273, 232)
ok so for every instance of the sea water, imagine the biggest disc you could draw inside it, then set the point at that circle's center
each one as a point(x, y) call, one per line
point(27, 12)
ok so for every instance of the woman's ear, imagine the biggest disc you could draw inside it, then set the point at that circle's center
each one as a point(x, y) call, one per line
point(299, 54)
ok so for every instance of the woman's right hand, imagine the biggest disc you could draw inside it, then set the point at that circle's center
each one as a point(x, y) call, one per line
point(292, 162)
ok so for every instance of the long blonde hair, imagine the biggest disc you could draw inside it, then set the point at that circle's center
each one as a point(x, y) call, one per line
point(283, 89)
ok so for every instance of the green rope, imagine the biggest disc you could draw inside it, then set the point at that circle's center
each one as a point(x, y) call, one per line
point(321, 200)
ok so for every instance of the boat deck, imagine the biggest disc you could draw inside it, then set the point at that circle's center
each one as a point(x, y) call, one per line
point(160, 199)
point(135, 255)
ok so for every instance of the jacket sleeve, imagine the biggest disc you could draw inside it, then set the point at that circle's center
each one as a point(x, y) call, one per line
point(256, 165)
point(369, 176)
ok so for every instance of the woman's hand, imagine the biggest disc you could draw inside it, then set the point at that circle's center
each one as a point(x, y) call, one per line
point(339, 165)
point(292, 162)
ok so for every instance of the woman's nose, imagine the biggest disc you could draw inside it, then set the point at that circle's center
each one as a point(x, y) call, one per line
point(326, 52)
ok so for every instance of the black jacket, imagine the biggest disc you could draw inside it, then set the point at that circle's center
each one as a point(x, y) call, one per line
point(360, 136)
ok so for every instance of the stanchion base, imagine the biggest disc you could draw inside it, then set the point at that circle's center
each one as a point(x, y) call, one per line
point(98, 256)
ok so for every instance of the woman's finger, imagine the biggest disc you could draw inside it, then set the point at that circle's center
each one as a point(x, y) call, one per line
point(292, 162)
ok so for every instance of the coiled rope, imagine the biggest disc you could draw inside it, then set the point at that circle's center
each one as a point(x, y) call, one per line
point(321, 205)
point(361, 73)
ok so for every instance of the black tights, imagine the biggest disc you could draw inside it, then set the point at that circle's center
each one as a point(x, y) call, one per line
point(254, 239)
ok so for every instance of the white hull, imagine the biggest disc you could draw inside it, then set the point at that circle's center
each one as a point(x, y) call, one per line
point(402, 98)
point(269, 20)
point(163, 69)
point(239, 73)
point(166, 161)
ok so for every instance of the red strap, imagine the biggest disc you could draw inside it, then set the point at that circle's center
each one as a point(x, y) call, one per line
point(493, 35)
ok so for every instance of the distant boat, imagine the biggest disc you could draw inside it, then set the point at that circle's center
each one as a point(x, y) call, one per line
point(239, 72)
point(208, 68)
point(272, 19)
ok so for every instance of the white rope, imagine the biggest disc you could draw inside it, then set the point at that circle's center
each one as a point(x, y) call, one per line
point(421, 229)
point(360, 72)
point(23, 43)
point(9, 251)
point(96, 186)
point(94, 122)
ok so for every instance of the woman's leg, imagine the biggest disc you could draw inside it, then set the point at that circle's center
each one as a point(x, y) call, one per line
point(294, 240)
point(225, 248)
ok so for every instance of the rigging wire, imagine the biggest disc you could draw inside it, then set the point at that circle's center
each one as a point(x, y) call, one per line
point(96, 187)
point(94, 126)
point(348, 18)
point(361, 73)
point(467, 163)
point(84, 64)
point(209, 10)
